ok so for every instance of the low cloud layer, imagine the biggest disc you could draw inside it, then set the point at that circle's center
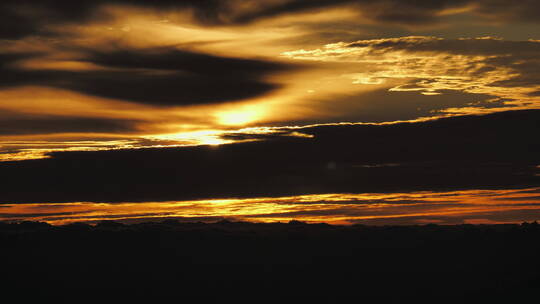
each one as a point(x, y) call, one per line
point(457, 207)
point(488, 151)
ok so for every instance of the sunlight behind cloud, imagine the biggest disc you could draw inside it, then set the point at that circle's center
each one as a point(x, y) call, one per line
point(207, 137)
point(240, 117)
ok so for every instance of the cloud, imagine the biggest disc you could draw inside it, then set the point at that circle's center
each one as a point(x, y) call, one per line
point(409, 207)
point(26, 17)
point(18, 124)
point(14, 25)
point(503, 10)
point(507, 70)
point(20, 18)
point(457, 153)
point(483, 46)
point(19, 216)
point(161, 77)
point(373, 106)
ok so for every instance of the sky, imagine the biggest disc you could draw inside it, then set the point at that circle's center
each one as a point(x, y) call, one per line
point(193, 84)
point(107, 74)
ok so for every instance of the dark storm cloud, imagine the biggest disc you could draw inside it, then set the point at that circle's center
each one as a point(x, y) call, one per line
point(163, 76)
point(489, 151)
point(23, 124)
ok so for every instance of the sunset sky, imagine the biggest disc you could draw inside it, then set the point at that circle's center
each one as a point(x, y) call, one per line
point(84, 85)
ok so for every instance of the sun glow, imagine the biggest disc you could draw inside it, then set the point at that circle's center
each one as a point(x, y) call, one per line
point(206, 137)
point(239, 117)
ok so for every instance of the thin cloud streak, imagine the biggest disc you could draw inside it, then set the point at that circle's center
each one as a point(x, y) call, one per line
point(410, 208)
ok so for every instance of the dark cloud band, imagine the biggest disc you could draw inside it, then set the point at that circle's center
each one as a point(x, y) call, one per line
point(489, 151)
point(24, 124)
point(161, 77)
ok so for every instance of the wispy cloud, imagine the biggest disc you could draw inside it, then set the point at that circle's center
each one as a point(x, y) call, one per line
point(431, 65)
point(479, 206)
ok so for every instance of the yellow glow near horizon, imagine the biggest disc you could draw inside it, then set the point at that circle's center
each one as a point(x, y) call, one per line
point(239, 117)
point(212, 141)
point(205, 137)
point(478, 206)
